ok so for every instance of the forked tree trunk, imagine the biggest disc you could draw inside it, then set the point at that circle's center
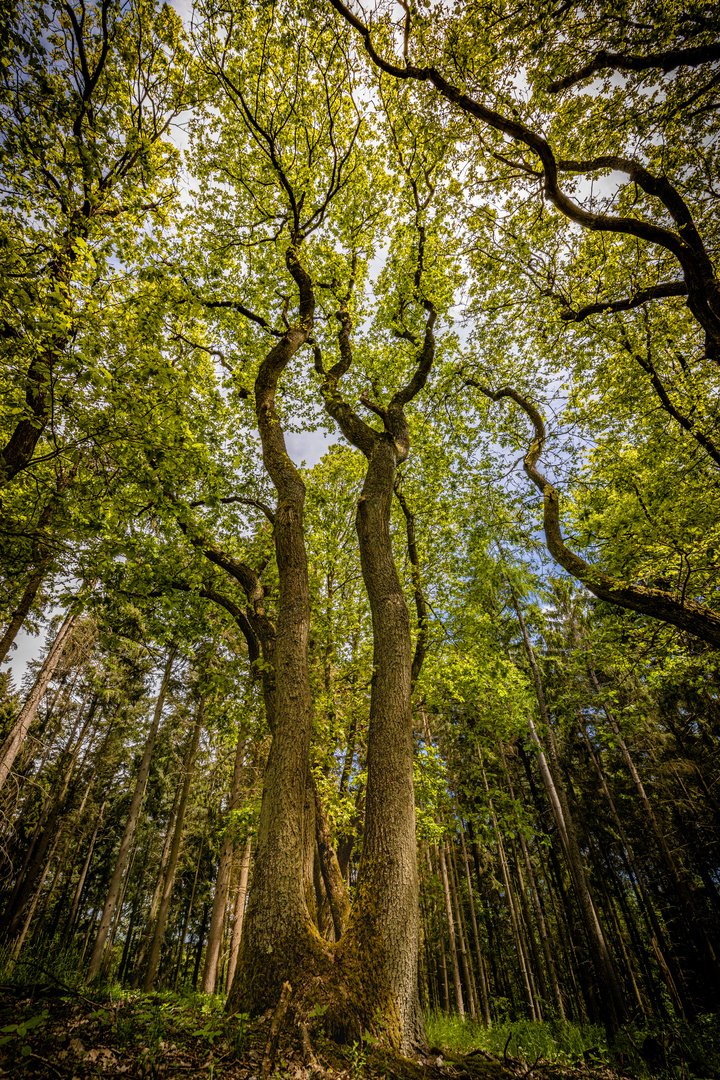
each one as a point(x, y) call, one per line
point(129, 833)
point(280, 939)
point(383, 933)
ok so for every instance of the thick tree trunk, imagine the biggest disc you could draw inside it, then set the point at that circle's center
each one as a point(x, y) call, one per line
point(133, 816)
point(159, 929)
point(12, 744)
point(385, 920)
point(280, 938)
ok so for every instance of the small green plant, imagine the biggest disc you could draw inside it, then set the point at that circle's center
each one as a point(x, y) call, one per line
point(16, 1034)
point(358, 1060)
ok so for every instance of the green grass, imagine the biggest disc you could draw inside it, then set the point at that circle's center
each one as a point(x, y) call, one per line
point(555, 1040)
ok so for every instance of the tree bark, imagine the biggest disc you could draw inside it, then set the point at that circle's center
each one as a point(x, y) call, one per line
point(280, 936)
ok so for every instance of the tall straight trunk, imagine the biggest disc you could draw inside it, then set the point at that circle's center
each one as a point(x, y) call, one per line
point(151, 917)
point(217, 919)
point(668, 965)
point(611, 999)
point(539, 914)
point(70, 925)
point(31, 910)
point(535, 969)
point(20, 614)
point(11, 747)
point(131, 825)
point(514, 921)
point(43, 554)
point(482, 979)
point(159, 929)
point(56, 814)
point(459, 1003)
point(696, 925)
point(462, 935)
point(333, 881)
point(239, 916)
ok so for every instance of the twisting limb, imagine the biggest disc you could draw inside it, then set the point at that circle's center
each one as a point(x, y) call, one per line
point(654, 292)
point(684, 241)
point(686, 615)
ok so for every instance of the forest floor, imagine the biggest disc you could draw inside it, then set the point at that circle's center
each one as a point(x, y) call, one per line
point(48, 1032)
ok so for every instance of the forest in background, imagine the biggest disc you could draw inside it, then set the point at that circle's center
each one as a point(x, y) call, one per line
point(429, 729)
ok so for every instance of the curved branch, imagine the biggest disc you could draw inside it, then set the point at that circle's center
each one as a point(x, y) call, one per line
point(244, 502)
point(654, 292)
point(685, 244)
point(664, 61)
point(694, 618)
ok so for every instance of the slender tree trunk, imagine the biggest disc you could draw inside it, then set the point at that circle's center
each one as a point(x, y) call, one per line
point(669, 968)
point(335, 888)
point(465, 962)
point(703, 944)
point(55, 813)
point(159, 931)
point(514, 921)
point(476, 937)
point(70, 925)
point(459, 1003)
point(26, 601)
point(611, 997)
point(31, 910)
point(133, 816)
point(239, 916)
point(151, 917)
point(217, 919)
point(18, 733)
point(539, 914)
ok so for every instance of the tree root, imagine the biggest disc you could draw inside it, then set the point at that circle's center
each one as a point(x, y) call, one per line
point(311, 1061)
point(277, 1020)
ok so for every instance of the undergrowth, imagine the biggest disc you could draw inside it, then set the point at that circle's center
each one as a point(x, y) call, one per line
point(652, 1051)
point(553, 1040)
